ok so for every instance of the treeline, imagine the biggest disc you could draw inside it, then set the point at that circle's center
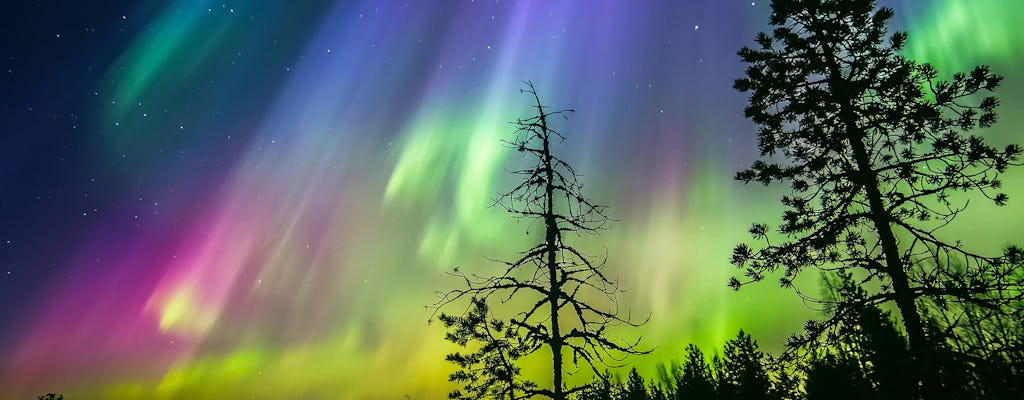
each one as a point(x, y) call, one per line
point(741, 371)
point(870, 359)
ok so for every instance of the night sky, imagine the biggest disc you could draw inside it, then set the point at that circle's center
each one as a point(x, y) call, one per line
point(206, 199)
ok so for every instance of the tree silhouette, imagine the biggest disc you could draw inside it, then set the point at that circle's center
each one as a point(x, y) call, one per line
point(657, 392)
point(836, 376)
point(993, 350)
point(741, 372)
point(559, 284)
point(865, 356)
point(695, 381)
point(601, 389)
point(635, 387)
point(875, 150)
point(490, 370)
point(50, 396)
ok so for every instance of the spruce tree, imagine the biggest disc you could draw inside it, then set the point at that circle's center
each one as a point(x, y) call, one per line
point(695, 381)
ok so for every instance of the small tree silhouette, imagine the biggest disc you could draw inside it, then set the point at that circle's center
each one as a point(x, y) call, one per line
point(558, 282)
point(635, 387)
point(601, 389)
point(490, 370)
point(874, 149)
point(741, 371)
point(695, 380)
point(50, 396)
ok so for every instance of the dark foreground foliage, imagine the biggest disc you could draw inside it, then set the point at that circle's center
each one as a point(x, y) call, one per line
point(880, 155)
point(869, 359)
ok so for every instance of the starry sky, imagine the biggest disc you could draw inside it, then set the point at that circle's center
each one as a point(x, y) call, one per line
point(207, 199)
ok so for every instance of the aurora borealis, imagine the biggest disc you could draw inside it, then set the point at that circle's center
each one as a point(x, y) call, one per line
point(208, 199)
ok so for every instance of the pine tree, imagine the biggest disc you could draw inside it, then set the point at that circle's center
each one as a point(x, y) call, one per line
point(740, 371)
point(695, 381)
point(877, 153)
point(635, 388)
point(489, 371)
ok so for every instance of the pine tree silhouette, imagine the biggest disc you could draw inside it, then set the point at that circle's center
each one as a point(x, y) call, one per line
point(635, 388)
point(741, 372)
point(695, 381)
point(490, 370)
point(876, 153)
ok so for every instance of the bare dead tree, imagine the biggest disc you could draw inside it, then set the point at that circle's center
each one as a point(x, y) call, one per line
point(570, 301)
